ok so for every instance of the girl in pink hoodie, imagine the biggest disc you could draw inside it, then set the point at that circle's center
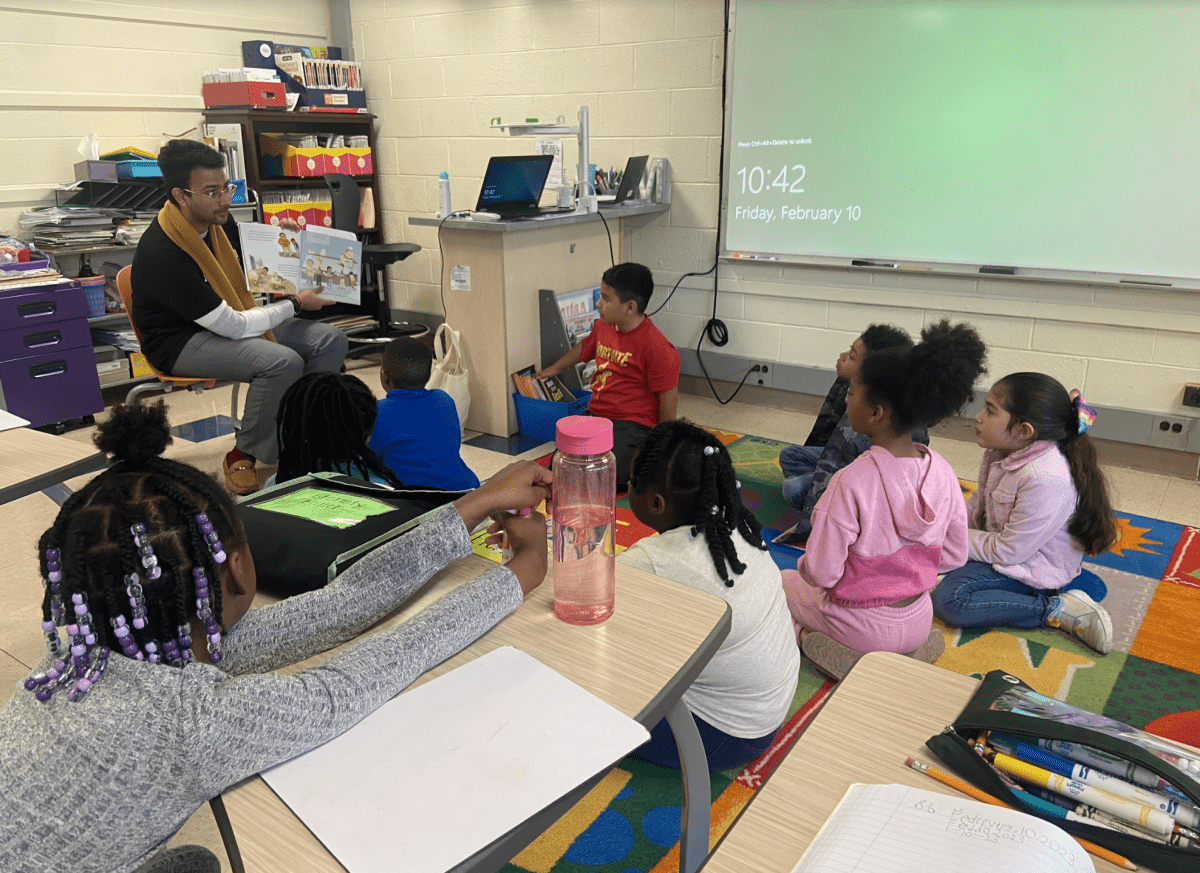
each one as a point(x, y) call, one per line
point(1041, 505)
point(894, 518)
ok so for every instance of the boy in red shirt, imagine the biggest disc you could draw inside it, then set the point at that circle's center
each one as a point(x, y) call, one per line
point(636, 383)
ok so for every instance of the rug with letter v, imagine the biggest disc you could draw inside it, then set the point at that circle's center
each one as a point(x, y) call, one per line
point(629, 823)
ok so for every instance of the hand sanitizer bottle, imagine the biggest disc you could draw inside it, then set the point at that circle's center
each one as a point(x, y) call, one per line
point(443, 194)
point(564, 193)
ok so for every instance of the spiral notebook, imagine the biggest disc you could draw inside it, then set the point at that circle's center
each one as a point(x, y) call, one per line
point(898, 829)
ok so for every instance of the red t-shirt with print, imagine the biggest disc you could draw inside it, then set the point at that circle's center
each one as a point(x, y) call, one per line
point(631, 369)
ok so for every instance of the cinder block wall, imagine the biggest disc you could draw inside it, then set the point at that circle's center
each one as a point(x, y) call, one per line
point(650, 73)
point(129, 71)
point(437, 71)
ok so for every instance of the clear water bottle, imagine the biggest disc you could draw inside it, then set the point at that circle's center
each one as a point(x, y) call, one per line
point(443, 194)
point(585, 492)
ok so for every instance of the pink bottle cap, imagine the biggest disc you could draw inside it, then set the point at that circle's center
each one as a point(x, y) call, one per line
point(583, 435)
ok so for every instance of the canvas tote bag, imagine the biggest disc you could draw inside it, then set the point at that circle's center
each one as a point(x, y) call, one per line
point(450, 370)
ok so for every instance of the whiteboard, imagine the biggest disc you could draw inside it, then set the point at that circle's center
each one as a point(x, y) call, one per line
point(1057, 138)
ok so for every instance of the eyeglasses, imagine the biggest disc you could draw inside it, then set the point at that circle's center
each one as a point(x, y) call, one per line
point(214, 194)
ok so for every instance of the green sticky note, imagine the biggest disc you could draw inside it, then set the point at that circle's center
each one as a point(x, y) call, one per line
point(330, 508)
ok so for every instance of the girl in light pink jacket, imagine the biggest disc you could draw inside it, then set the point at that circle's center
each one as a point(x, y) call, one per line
point(1041, 505)
point(894, 518)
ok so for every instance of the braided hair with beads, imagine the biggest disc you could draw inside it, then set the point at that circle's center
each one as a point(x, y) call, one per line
point(323, 423)
point(692, 470)
point(132, 557)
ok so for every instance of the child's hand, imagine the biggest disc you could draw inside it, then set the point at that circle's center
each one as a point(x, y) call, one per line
point(527, 538)
point(521, 485)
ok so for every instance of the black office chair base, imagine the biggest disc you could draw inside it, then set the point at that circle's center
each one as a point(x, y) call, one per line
point(373, 340)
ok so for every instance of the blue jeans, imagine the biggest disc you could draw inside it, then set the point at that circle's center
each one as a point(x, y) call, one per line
point(975, 595)
point(798, 464)
point(721, 749)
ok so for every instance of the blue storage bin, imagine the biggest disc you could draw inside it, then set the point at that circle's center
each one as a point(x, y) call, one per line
point(138, 170)
point(536, 418)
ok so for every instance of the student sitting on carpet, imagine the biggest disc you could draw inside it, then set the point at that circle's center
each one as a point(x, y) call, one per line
point(636, 383)
point(683, 486)
point(164, 691)
point(833, 443)
point(893, 519)
point(324, 422)
point(1041, 505)
point(417, 431)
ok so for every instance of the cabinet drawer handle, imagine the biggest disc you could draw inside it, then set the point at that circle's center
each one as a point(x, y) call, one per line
point(32, 310)
point(45, 338)
point(50, 368)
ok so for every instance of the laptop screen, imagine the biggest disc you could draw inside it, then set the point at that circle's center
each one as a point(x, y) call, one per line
point(513, 183)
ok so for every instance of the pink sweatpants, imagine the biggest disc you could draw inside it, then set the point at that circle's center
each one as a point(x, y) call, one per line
point(874, 629)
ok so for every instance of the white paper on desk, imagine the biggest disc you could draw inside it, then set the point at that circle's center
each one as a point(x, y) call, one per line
point(898, 829)
point(443, 770)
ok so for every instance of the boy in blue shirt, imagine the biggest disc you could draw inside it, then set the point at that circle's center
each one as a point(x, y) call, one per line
point(417, 431)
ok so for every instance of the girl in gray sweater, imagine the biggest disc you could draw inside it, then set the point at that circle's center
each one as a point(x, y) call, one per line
point(160, 692)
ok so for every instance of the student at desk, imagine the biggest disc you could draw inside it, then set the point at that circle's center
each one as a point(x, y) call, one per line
point(163, 695)
point(636, 383)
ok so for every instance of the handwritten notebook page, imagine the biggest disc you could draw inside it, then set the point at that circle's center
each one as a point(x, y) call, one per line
point(898, 829)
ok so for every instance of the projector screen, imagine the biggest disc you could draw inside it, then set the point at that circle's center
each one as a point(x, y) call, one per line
point(1053, 138)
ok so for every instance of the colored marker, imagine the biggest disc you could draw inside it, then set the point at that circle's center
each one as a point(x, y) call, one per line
point(1184, 813)
point(972, 791)
point(1154, 820)
point(1105, 762)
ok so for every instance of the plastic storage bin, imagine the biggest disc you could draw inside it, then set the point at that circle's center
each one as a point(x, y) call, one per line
point(138, 170)
point(536, 418)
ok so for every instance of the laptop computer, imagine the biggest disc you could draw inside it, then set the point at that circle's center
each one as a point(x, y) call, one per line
point(512, 186)
point(635, 168)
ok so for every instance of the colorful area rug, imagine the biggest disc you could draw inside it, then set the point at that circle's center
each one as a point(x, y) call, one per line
point(629, 823)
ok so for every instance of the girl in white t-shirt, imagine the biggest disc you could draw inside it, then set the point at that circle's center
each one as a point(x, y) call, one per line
point(683, 486)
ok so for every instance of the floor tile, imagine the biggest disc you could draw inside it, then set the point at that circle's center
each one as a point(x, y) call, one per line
point(204, 429)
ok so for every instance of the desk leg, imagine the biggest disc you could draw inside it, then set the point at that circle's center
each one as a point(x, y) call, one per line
point(58, 493)
point(697, 790)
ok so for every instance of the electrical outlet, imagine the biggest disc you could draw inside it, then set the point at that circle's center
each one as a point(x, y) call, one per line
point(762, 376)
point(1168, 432)
point(1191, 395)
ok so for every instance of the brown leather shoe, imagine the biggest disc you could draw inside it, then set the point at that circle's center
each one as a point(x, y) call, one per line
point(240, 476)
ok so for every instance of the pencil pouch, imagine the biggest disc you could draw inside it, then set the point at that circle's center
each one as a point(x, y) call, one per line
point(1013, 713)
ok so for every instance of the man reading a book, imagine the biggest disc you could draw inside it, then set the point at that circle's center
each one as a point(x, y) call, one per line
point(636, 383)
point(196, 316)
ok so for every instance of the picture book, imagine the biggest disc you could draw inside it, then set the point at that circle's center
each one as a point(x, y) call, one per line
point(556, 390)
point(281, 261)
point(527, 384)
point(578, 310)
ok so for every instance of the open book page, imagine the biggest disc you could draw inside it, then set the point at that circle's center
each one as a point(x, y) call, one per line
point(271, 258)
point(331, 264)
point(897, 829)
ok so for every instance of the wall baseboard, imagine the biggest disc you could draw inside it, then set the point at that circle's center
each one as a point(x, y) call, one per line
point(1123, 436)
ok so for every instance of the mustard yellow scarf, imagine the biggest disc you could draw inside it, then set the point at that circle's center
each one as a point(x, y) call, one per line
point(220, 265)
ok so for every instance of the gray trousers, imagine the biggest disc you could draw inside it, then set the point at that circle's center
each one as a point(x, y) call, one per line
point(303, 347)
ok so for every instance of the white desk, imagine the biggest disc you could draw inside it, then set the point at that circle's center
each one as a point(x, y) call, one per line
point(880, 714)
point(638, 662)
point(32, 461)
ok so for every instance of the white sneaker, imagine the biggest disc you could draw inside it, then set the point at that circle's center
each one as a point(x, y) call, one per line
point(1086, 619)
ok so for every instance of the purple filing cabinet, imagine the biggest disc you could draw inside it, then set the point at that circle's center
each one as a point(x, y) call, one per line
point(47, 367)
